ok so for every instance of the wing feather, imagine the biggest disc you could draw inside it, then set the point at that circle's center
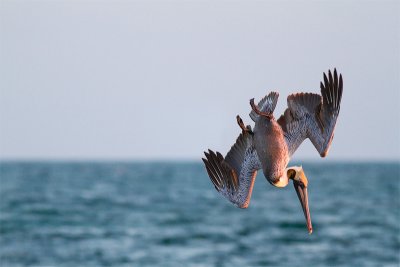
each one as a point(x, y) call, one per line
point(234, 175)
point(313, 116)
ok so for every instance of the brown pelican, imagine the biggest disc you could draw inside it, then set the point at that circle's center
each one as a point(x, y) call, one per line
point(272, 142)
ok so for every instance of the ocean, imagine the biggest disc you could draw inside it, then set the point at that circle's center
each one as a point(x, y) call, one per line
point(169, 214)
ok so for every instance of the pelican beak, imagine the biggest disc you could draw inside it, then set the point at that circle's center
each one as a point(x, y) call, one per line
point(301, 189)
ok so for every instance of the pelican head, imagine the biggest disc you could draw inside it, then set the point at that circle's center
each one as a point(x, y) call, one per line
point(300, 183)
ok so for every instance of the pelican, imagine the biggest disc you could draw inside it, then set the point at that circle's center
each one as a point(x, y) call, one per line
point(270, 145)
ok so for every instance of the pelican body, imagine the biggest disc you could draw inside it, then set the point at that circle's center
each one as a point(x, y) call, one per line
point(270, 145)
point(269, 142)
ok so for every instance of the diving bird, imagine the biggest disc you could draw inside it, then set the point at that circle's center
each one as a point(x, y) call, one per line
point(270, 145)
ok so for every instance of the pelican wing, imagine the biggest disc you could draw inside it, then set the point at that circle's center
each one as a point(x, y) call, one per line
point(313, 116)
point(234, 175)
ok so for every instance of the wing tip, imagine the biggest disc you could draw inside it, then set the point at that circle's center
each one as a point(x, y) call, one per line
point(212, 173)
point(243, 206)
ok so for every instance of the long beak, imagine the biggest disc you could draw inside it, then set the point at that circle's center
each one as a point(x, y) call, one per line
point(301, 191)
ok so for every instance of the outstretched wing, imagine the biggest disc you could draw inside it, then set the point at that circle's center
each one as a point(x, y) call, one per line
point(313, 116)
point(234, 175)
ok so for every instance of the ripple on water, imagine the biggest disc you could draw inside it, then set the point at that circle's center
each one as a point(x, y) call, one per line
point(159, 214)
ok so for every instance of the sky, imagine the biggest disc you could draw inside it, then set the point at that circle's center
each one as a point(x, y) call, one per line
point(132, 80)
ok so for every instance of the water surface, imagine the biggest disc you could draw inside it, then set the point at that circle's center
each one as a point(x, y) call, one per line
point(169, 214)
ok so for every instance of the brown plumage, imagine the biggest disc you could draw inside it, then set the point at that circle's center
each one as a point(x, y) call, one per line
point(272, 142)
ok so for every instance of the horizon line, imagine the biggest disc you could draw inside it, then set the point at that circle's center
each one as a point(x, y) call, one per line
point(179, 159)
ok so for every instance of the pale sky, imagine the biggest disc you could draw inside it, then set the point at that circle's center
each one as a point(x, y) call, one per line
point(165, 80)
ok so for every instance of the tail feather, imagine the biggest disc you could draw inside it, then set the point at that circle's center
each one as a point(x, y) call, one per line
point(266, 105)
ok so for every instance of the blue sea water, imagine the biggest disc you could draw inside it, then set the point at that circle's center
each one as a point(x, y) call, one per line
point(169, 214)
